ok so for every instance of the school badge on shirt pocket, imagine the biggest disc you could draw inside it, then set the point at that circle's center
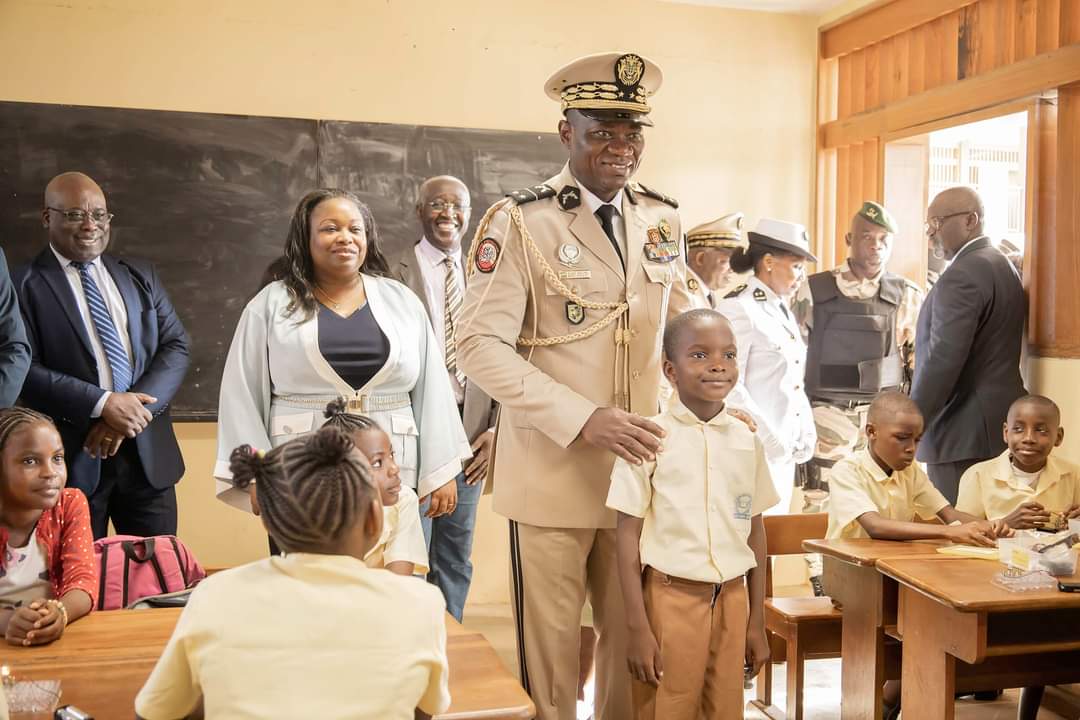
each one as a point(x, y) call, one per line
point(575, 314)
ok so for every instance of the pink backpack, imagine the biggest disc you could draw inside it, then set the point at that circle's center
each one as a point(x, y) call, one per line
point(133, 568)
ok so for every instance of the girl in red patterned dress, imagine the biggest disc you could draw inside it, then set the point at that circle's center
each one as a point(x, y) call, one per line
point(48, 577)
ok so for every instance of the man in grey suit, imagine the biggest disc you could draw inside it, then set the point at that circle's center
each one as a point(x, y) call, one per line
point(434, 271)
point(967, 343)
point(14, 347)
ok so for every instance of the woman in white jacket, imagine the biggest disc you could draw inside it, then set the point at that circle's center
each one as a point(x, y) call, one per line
point(336, 325)
point(772, 354)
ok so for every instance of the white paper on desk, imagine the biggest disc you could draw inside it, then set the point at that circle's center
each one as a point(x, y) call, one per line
point(970, 551)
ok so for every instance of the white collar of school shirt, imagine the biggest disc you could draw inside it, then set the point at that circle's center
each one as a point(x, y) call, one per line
point(1003, 472)
point(434, 256)
point(64, 262)
point(686, 416)
point(867, 461)
point(593, 203)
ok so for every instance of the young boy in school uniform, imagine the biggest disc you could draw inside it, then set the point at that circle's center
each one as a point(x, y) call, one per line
point(878, 492)
point(1024, 485)
point(694, 621)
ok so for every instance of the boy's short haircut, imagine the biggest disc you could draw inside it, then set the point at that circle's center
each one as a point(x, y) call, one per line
point(1040, 401)
point(890, 404)
point(678, 326)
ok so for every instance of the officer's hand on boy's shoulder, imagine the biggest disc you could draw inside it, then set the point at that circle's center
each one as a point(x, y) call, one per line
point(628, 435)
point(1027, 516)
point(744, 416)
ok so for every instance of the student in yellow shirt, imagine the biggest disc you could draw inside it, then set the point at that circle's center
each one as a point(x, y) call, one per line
point(878, 492)
point(401, 548)
point(312, 633)
point(690, 540)
point(1024, 484)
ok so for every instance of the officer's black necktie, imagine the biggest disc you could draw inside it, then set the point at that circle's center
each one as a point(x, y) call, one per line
point(604, 214)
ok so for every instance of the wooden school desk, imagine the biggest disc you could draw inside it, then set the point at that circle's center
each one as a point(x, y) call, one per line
point(868, 600)
point(103, 660)
point(950, 611)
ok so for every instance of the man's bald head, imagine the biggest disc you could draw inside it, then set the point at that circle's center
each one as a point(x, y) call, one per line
point(890, 404)
point(959, 212)
point(73, 194)
point(443, 208)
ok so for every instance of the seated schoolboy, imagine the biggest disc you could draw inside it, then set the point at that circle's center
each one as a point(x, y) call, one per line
point(878, 491)
point(48, 576)
point(1024, 484)
point(312, 633)
point(401, 548)
point(689, 530)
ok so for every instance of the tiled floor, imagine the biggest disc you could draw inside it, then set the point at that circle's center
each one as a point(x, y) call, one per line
point(821, 698)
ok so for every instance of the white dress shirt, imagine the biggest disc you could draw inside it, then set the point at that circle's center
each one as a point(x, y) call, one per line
point(117, 310)
point(618, 224)
point(432, 270)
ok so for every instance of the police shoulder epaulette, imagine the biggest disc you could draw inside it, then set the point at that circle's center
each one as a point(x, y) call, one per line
point(527, 195)
point(736, 292)
point(657, 195)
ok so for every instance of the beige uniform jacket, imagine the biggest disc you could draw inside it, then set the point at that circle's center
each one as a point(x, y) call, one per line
point(543, 473)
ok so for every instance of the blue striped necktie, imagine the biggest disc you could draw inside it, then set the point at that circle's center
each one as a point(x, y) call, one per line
point(106, 329)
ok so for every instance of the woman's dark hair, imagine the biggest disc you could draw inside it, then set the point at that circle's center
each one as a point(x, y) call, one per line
point(299, 271)
point(743, 260)
point(312, 490)
point(338, 416)
point(274, 271)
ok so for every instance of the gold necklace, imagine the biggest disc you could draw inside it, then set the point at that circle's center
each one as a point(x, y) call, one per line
point(327, 298)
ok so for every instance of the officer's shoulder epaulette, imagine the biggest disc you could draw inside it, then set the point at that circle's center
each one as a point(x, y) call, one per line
point(527, 195)
point(911, 285)
point(656, 195)
point(736, 292)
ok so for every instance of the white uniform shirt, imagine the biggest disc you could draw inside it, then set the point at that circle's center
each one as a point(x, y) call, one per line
point(772, 365)
point(117, 310)
point(304, 636)
point(430, 260)
point(22, 581)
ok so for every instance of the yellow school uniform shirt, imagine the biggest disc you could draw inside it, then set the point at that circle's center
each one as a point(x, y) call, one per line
point(304, 636)
point(697, 497)
point(858, 485)
point(990, 490)
point(402, 537)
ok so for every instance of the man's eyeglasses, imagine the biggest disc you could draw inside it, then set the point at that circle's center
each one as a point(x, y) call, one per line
point(439, 206)
point(100, 217)
point(934, 224)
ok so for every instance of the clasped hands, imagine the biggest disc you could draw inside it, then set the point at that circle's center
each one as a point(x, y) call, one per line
point(123, 416)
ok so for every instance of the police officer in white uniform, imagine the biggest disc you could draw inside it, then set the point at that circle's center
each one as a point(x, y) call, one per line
point(772, 354)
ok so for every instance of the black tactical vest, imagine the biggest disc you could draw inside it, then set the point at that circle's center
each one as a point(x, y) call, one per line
point(853, 353)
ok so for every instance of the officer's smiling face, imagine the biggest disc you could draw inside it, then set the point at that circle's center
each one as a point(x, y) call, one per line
point(603, 155)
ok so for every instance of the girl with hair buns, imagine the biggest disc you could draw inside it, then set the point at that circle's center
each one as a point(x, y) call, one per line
point(401, 548)
point(335, 324)
point(48, 577)
point(312, 633)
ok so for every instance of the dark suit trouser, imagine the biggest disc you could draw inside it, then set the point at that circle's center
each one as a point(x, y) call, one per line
point(946, 476)
point(124, 496)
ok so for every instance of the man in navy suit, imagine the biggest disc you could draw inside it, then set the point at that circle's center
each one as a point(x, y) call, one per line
point(108, 354)
point(967, 343)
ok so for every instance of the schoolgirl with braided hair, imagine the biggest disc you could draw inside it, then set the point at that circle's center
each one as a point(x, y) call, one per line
point(48, 577)
point(313, 632)
point(401, 547)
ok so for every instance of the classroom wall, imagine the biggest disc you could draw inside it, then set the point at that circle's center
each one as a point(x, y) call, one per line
point(1056, 378)
point(733, 120)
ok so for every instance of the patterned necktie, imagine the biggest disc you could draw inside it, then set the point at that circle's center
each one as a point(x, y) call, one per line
point(119, 364)
point(605, 213)
point(451, 315)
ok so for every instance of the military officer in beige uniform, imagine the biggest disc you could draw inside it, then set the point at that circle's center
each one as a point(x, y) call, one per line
point(572, 282)
point(709, 246)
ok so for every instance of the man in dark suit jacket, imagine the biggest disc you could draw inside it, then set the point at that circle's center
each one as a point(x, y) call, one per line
point(109, 353)
point(967, 343)
point(14, 348)
point(428, 268)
